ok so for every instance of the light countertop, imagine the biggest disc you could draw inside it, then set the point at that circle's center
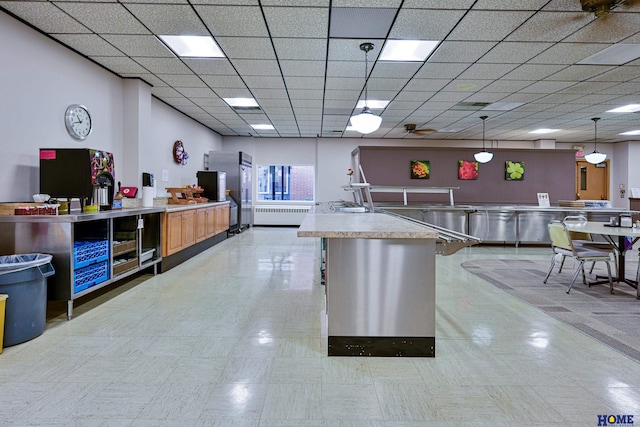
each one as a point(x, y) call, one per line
point(347, 225)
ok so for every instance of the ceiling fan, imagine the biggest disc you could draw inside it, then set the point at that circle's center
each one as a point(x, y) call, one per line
point(411, 128)
point(602, 7)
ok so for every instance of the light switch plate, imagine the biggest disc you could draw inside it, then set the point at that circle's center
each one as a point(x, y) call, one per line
point(165, 175)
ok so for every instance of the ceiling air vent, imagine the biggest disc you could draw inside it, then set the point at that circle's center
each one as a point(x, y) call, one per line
point(470, 106)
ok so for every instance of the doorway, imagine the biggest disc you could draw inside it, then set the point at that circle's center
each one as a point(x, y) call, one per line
point(592, 181)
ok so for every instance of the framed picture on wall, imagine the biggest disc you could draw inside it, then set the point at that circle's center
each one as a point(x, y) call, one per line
point(513, 171)
point(467, 169)
point(420, 169)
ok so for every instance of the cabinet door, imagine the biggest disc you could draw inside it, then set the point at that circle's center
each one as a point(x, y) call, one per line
point(201, 224)
point(225, 218)
point(211, 221)
point(173, 233)
point(188, 228)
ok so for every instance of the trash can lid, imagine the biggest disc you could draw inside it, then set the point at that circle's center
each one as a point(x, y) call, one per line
point(13, 263)
point(3, 297)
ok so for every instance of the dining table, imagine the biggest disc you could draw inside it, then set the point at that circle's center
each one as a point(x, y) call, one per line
point(620, 238)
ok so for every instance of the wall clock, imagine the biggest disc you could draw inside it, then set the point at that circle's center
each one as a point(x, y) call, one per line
point(78, 121)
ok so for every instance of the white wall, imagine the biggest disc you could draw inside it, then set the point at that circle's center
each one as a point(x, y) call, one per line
point(40, 78)
point(157, 155)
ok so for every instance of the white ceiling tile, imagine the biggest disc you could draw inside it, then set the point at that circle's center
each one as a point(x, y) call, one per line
point(424, 24)
point(349, 50)
point(567, 53)
point(616, 27)
point(578, 73)
point(246, 47)
point(550, 26)
point(302, 68)
point(163, 65)
point(297, 21)
point(458, 51)
point(182, 80)
point(300, 49)
point(269, 93)
point(396, 70)
point(486, 71)
point(426, 85)
point(45, 16)
point(257, 67)
point(294, 82)
point(533, 72)
point(514, 52)
point(89, 44)
point(107, 18)
point(194, 93)
point(139, 45)
point(165, 19)
point(234, 82)
point(119, 64)
point(510, 5)
point(488, 25)
point(546, 87)
point(241, 21)
point(208, 66)
point(350, 96)
point(264, 82)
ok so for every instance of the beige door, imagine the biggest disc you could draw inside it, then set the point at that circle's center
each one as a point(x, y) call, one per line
point(592, 181)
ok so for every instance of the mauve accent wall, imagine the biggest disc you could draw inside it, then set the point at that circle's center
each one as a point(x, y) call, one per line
point(546, 171)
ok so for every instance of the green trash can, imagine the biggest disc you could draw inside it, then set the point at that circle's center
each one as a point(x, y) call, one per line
point(23, 278)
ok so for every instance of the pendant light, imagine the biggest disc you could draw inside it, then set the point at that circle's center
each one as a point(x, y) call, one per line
point(483, 156)
point(366, 121)
point(595, 157)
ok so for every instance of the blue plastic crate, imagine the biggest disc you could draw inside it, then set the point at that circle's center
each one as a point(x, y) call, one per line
point(89, 252)
point(87, 277)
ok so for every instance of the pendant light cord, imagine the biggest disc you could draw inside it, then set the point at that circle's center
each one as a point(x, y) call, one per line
point(366, 72)
point(483, 138)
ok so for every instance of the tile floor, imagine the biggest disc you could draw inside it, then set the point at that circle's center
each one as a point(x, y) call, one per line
point(234, 337)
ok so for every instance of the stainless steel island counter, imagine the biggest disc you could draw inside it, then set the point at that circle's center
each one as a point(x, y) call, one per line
point(380, 283)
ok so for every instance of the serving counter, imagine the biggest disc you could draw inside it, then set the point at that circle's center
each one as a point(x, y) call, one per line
point(90, 250)
point(500, 224)
point(380, 282)
point(93, 250)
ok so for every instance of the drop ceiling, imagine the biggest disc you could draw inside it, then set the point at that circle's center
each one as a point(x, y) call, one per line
point(300, 60)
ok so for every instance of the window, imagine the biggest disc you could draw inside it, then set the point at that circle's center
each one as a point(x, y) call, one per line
point(285, 182)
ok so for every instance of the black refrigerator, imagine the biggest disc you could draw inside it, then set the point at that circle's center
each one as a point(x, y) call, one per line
point(237, 166)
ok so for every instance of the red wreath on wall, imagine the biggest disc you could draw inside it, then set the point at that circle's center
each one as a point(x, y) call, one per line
point(180, 155)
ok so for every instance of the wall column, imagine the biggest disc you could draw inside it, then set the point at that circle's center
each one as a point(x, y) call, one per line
point(136, 125)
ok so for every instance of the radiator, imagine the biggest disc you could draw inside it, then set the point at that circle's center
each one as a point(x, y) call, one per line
point(279, 215)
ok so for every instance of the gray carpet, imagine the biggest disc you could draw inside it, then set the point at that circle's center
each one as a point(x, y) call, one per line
point(612, 319)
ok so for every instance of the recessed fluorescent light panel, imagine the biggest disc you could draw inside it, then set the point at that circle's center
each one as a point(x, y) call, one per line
point(631, 108)
point(503, 106)
point(450, 130)
point(617, 54)
point(241, 102)
point(373, 104)
point(543, 131)
point(193, 46)
point(631, 132)
point(407, 50)
point(262, 127)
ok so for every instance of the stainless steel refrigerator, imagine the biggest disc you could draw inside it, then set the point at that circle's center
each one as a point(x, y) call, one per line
point(237, 165)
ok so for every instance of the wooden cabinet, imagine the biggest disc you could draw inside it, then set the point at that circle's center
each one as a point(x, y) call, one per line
point(211, 221)
point(186, 227)
point(173, 233)
point(201, 224)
